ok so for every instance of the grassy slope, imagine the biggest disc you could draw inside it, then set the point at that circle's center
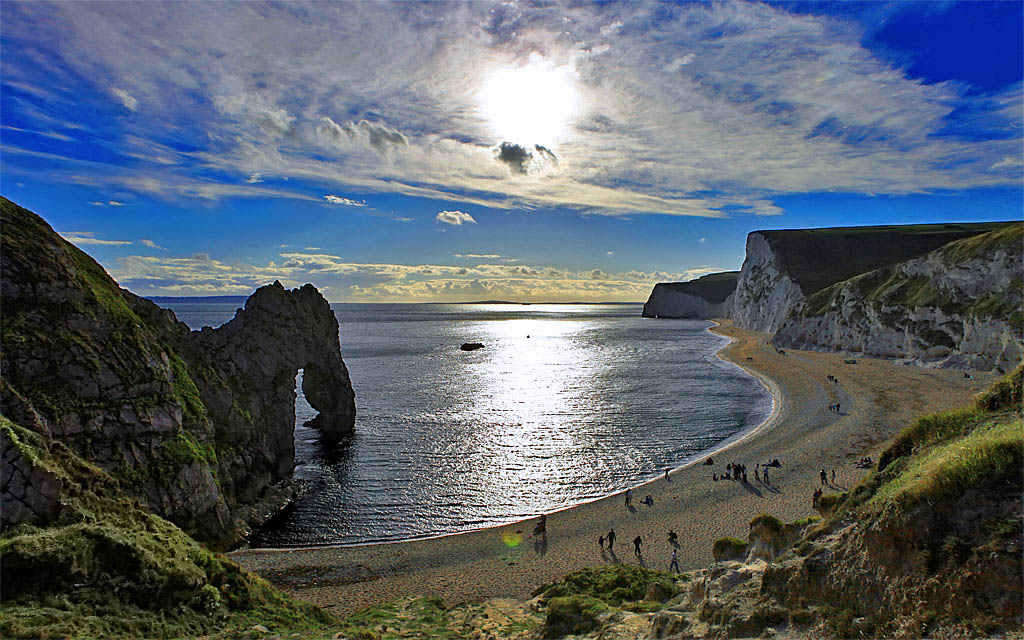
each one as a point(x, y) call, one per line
point(887, 287)
point(854, 250)
point(107, 567)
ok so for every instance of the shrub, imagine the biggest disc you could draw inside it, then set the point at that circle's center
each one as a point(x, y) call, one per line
point(572, 615)
point(729, 549)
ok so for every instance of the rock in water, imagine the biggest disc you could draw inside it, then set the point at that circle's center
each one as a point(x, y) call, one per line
point(471, 346)
point(197, 425)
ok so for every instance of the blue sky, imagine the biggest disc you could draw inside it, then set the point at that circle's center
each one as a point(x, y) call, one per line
point(517, 150)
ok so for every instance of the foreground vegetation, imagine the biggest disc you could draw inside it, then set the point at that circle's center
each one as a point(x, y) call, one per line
point(939, 518)
point(106, 567)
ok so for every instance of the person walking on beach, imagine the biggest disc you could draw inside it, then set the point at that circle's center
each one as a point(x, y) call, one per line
point(823, 476)
point(765, 476)
point(674, 564)
point(666, 474)
point(600, 542)
point(833, 476)
point(636, 543)
point(611, 539)
point(629, 498)
point(757, 473)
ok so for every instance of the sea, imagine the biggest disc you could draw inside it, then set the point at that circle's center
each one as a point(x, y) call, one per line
point(564, 404)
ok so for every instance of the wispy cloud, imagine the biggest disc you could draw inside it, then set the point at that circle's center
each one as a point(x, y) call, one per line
point(125, 98)
point(455, 217)
point(89, 237)
point(478, 256)
point(694, 109)
point(152, 245)
point(348, 202)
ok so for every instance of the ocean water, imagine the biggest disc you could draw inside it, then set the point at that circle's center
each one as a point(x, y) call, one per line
point(564, 404)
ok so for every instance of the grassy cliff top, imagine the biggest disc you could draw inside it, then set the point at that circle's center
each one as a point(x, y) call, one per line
point(817, 258)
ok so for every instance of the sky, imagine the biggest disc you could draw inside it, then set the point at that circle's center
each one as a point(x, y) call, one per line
point(529, 151)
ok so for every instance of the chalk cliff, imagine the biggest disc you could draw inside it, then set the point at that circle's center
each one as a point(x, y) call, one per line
point(960, 305)
point(196, 425)
point(705, 297)
point(783, 268)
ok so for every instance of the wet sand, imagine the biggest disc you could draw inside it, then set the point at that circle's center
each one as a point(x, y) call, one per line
point(877, 398)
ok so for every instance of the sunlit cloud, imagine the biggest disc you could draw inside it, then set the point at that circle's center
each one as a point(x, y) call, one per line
point(348, 202)
point(125, 98)
point(152, 245)
point(89, 238)
point(478, 256)
point(344, 281)
point(663, 119)
point(455, 217)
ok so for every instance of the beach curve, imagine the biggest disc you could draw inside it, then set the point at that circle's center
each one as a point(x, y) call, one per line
point(504, 561)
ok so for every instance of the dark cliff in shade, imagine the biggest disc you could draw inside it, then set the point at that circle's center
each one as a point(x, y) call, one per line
point(705, 297)
point(197, 425)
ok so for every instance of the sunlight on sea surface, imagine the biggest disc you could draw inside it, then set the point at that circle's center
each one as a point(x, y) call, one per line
point(565, 403)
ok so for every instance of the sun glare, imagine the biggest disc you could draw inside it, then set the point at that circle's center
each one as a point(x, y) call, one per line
point(530, 104)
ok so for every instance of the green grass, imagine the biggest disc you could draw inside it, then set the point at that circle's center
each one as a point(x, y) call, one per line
point(728, 549)
point(107, 567)
point(613, 584)
point(768, 521)
point(885, 286)
point(862, 249)
point(990, 455)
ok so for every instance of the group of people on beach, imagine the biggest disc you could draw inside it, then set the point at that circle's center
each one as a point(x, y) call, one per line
point(737, 471)
point(638, 542)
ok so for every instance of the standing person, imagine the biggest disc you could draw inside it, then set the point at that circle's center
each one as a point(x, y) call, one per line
point(600, 542)
point(636, 544)
point(757, 474)
point(674, 564)
point(765, 475)
point(629, 498)
point(833, 476)
point(666, 474)
point(611, 539)
point(823, 476)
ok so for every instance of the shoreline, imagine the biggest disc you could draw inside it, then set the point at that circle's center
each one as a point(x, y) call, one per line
point(878, 398)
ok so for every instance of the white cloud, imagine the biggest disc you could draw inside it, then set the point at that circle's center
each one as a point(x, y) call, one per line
point(312, 249)
point(455, 217)
point(115, 203)
point(672, 121)
point(151, 244)
point(89, 237)
point(610, 253)
point(477, 256)
point(348, 202)
point(126, 99)
point(203, 274)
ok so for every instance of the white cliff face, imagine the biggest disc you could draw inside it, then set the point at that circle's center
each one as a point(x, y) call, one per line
point(934, 309)
point(667, 302)
point(765, 295)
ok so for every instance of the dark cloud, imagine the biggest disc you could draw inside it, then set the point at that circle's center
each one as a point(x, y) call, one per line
point(547, 153)
point(515, 156)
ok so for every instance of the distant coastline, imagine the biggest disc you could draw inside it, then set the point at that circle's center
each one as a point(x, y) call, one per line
point(160, 300)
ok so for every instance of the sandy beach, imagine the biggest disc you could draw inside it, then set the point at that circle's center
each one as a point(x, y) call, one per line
point(877, 398)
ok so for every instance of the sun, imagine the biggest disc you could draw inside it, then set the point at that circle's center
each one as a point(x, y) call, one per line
point(530, 104)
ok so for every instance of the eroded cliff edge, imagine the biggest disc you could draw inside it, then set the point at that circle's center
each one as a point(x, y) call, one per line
point(946, 294)
point(197, 425)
